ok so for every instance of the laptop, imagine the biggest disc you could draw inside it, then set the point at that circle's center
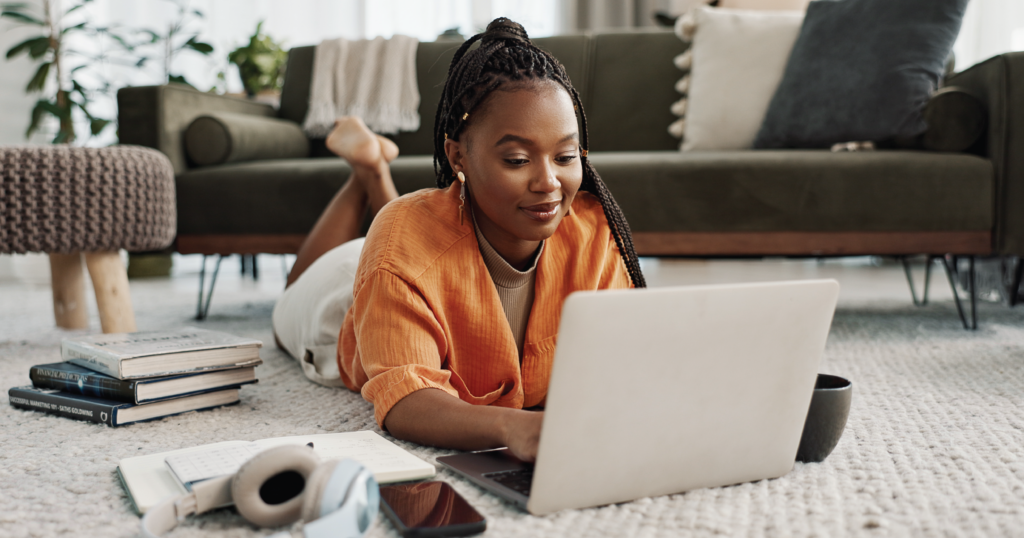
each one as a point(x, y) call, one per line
point(665, 390)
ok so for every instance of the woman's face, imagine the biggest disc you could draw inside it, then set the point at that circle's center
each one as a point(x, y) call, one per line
point(520, 155)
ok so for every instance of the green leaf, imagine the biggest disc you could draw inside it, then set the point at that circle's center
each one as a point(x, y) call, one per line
point(36, 47)
point(21, 17)
point(78, 26)
point(122, 42)
point(37, 116)
point(39, 79)
point(97, 126)
point(76, 87)
point(179, 79)
point(198, 46)
point(52, 108)
point(198, 13)
point(202, 48)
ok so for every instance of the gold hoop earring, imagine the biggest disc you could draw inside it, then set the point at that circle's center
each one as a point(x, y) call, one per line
point(462, 196)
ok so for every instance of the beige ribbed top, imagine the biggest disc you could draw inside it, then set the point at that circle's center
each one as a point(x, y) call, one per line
point(515, 288)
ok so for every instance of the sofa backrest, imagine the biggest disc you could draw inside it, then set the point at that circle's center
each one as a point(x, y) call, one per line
point(626, 81)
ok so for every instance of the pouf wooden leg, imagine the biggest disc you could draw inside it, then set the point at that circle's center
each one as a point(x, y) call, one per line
point(68, 283)
point(110, 280)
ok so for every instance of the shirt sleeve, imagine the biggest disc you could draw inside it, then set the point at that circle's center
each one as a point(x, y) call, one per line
point(399, 342)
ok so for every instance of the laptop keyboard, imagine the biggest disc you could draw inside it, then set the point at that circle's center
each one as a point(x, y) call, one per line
point(518, 480)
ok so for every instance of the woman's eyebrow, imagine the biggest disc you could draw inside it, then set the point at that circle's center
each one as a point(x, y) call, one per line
point(513, 138)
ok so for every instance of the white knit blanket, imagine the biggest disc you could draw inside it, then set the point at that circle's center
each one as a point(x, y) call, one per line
point(374, 79)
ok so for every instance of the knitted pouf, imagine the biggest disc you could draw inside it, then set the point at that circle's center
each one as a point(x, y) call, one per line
point(69, 201)
point(66, 199)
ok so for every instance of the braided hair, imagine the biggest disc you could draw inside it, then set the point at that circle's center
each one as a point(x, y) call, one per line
point(506, 55)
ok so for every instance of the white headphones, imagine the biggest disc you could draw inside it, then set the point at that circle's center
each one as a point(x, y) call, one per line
point(336, 499)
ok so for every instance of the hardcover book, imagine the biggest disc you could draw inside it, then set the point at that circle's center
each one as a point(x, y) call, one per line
point(111, 412)
point(70, 377)
point(149, 479)
point(161, 353)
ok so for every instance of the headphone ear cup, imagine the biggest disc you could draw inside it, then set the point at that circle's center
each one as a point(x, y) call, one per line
point(314, 490)
point(268, 490)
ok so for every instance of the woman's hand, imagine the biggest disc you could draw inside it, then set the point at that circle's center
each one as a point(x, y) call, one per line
point(434, 417)
point(522, 433)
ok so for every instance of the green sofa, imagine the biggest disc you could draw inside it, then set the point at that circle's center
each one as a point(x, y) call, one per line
point(746, 203)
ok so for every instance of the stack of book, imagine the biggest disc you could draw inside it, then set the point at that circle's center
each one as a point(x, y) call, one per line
point(118, 379)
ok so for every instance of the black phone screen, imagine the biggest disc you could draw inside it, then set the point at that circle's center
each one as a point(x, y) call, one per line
point(429, 505)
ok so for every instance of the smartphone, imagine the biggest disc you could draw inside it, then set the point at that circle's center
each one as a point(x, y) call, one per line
point(430, 509)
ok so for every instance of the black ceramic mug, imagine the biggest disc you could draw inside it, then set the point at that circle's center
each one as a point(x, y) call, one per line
point(826, 418)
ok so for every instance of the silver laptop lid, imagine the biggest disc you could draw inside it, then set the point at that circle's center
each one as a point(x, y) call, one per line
point(664, 390)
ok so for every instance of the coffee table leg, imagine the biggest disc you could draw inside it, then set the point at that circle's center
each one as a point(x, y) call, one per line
point(68, 284)
point(113, 298)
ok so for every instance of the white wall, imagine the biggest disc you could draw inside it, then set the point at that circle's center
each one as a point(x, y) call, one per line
point(990, 27)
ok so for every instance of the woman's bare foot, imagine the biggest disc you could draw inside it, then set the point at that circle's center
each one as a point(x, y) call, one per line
point(388, 149)
point(353, 141)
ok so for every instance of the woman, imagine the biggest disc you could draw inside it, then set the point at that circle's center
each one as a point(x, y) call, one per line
point(448, 319)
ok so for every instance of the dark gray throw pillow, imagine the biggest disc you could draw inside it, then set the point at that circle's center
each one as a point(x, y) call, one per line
point(861, 70)
point(227, 137)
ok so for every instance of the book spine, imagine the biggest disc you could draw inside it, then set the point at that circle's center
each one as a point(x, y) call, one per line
point(63, 406)
point(100, 386)
point(91, 358)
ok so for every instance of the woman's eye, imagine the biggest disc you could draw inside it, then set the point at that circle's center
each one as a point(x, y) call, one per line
point(516, 162)
point(566, 159)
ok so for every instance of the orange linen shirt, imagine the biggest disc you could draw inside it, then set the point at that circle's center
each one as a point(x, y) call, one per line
point(426, 313)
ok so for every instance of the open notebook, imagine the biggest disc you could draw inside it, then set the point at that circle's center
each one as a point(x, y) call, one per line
point(149, 480)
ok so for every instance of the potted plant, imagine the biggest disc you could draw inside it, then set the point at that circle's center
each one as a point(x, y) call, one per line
point(260, 64)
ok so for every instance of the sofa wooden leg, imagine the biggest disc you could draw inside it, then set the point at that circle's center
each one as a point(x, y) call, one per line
point(110, 280)
point(68, 284)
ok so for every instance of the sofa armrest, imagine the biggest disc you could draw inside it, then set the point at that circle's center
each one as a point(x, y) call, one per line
point(157, 116)
point(999, 84)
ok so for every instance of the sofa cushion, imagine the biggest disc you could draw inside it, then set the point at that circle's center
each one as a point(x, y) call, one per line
point(861, 70)
point(738, 60)
point(658, 191)
point(815, 191)
point(225, 137)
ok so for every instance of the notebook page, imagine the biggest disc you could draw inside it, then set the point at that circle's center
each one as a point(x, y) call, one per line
point(149, 480)
point(387, 461)
point(192, 467)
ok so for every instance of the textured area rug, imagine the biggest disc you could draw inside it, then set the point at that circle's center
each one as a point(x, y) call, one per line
point(934, 445)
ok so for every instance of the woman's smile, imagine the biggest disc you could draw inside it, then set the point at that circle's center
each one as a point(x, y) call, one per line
point(543, 212)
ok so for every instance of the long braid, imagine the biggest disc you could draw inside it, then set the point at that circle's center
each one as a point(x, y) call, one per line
point(506, 55)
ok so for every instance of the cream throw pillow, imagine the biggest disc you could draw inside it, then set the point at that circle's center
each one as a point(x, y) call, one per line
point(738, 60)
